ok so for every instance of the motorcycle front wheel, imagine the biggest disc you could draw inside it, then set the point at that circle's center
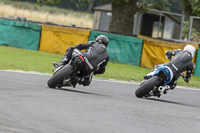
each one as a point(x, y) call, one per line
point(146, 87)
point(59, 76)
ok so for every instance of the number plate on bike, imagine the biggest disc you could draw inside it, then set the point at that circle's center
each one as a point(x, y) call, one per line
point(162, 74)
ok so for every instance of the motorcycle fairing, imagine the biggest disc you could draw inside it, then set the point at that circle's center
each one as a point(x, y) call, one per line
point(165, 73)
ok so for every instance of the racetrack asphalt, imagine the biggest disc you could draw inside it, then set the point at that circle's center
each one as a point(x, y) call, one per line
point(27, 105)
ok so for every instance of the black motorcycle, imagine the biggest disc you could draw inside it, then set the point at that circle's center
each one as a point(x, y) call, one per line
point(65, 75)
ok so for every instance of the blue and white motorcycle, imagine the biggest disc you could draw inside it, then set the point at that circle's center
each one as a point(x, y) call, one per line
point(156, 85)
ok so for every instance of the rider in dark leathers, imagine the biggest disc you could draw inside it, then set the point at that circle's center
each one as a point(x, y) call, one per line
point(182, 61)
point(96, 58)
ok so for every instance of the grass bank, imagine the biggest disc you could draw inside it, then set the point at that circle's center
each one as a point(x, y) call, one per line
point(28, 60)
point(45, 13)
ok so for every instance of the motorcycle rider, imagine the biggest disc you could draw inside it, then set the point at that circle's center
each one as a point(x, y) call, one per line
point(96, 54)
point(181, 62)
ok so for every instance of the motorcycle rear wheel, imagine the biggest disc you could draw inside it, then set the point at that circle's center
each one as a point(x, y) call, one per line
point(146, 87)
point(59, 76)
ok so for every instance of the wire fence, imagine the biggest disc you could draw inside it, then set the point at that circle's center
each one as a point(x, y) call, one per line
point(194, 29)
point(169, 26)
point(161, 24)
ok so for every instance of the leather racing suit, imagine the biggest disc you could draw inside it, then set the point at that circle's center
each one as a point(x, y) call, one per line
point(182, 61)
point(96, 58)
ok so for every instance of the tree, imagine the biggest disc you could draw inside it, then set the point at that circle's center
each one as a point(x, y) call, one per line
point(191, 7)
point(123, 12)
point(122, 16)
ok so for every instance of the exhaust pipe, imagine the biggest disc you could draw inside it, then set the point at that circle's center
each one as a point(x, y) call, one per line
point(161, 88)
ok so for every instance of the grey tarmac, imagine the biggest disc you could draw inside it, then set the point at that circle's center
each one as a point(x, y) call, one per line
point(27, 105)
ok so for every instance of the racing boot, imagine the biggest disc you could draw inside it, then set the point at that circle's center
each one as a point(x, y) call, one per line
point(76, 79)
point(173, 85)
point(151, 74)
point(63, 62)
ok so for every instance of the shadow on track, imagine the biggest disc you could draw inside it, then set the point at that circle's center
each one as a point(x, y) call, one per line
point(172, 102)
point(77, 91)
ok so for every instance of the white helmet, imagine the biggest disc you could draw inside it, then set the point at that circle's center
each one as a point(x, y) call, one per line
point(190, 49)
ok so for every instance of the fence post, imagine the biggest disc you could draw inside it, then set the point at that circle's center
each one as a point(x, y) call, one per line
point(190, 27)
point(181, 30)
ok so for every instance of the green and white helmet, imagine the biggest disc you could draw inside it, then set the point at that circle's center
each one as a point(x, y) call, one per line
point(190, 49)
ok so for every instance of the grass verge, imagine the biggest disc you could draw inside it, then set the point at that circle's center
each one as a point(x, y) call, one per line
point(44, 8)
point(29, 60)
point(45, 13)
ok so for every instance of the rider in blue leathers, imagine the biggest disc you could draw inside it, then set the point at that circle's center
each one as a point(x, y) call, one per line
point(181, 62)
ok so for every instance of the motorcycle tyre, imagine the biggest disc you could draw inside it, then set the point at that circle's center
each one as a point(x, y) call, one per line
point(147, 86)
point(59, 76)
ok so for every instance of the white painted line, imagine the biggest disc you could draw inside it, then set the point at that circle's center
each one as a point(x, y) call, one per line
point(28, 72)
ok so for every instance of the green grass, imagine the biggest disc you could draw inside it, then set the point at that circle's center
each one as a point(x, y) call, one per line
point(29, 60)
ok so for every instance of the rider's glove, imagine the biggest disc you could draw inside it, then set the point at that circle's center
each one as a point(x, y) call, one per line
point(169, 54)
point(169, 57)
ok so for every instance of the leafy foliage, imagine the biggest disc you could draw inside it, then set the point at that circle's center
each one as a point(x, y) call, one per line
point(42, 2)
point(185, 30)
point(168, 5)
point(142, 7)
point(194, 33)
point(195, 4)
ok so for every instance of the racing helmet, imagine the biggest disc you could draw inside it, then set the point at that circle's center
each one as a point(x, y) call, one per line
point(190, 49)
point(102, 39)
